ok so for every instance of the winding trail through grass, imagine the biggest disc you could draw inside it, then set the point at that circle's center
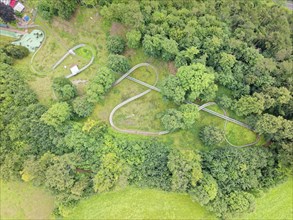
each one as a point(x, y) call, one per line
point(153, 87)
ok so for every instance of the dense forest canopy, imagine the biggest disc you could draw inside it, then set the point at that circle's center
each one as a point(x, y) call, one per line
point(244, 46)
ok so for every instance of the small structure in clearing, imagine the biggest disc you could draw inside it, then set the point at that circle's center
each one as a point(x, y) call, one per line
point(74, 70)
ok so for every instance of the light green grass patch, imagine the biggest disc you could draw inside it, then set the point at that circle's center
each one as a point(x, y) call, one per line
point(133, 203)
point(5, 40)
point(43, 86)
point(20, 200)
point(276, 204)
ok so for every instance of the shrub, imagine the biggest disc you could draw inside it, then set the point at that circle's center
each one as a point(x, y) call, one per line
point(118, 63)
point(211, 136)
point(82, 107)
point(64, 89)
point(15, 51)
point(133, 39)
point(115, 44)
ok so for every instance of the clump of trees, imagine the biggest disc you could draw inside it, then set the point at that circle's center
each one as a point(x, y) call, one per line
point(6, 13)
point(101, 83)
point(115, 44)
point(118, 63)
point(184, 118)
point(190, 83)
point(63, 89)
point(212, 136)
point(62, 8)
point(16, 51)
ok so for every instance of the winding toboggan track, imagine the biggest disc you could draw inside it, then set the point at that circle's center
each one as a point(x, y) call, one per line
point(153, 87)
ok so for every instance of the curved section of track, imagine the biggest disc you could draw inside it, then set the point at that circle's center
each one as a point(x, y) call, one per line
point(33, 57)
point(153, 87)
point(225, 126)
point(132, 99)
point(233, 145)
point(71, 51)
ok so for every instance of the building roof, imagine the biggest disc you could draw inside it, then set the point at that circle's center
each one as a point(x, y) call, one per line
point(6, 2)
point(12, 3)
point(26, 18)
point(74, 69)
point(18, 7)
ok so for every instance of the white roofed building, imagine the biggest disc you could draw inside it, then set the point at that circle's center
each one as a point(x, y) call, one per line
point(19, 7)
point(6, 2)
point(74, 70)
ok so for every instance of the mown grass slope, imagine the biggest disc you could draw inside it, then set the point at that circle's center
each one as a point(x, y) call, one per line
point(277, 204)
point(20, 200)
point(133, 203)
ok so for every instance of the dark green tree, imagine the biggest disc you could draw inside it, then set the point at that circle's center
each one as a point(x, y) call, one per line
point(133, 39)
point(6, 13)
point(63, 89)
point(115, 44)
point(118, 63)
point(211, 136)
point(15, 51)
point(82, 107)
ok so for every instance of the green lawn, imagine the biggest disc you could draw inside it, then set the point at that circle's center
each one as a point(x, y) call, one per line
point(133, 203)
point(275, 204)
point(22, 201)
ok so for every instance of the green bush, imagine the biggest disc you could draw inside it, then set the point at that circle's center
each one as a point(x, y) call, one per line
point(133, 39)
point(64, 89)
point(82, 107)
point(115, 44)
point(212, 136)
point(15, 51)
point(118, 63)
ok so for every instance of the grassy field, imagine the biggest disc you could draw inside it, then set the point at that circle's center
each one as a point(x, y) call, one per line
point(133, 203)
point(22, 201)
point(277, 204)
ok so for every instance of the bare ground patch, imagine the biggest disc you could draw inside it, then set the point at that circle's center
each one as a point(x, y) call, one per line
point(63, 25)
point(172, 68)
point(118, 29)
point(129, 53)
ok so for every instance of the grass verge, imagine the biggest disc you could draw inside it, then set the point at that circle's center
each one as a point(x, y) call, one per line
point(20, 200)
point(133, 203)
